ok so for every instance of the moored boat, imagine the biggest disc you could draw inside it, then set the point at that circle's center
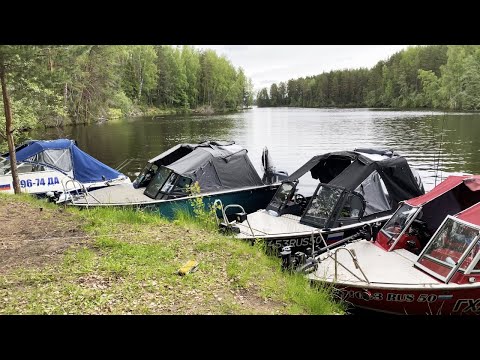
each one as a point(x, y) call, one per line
point(356, 188)
point(56, 167)
point(402, 272)
point(415, 220)
point(221, 169)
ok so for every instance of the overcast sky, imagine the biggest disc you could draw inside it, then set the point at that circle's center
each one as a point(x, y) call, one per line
point(266, 64)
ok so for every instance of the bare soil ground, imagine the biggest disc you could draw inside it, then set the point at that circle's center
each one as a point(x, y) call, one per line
point(126, 262)
point(32, 235)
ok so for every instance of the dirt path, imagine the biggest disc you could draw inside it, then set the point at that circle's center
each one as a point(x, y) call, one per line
point(31, 235)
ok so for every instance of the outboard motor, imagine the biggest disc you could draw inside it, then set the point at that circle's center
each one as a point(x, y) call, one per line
point(270, 174)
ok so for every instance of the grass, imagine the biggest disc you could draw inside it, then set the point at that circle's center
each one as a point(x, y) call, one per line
point(130, 263)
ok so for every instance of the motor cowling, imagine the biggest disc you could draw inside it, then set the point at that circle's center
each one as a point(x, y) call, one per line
point(270, 174)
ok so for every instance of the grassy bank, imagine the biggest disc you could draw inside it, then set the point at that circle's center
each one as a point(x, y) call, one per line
point(126, 262)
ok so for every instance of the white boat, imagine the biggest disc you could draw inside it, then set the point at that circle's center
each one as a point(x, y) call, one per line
point(355, 189)
point(56, 167)
point(425, 259)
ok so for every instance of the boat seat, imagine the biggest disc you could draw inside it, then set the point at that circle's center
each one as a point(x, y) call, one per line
point(25, 168)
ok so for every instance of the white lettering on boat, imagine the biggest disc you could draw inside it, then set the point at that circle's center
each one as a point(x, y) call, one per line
point(400, 297)
point(298, 242)
point(364, 295)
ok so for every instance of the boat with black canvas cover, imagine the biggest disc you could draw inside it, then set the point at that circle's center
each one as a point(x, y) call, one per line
point(356, 188)
point(222, 169)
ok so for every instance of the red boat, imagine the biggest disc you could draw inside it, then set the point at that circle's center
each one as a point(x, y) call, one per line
point(407, 271)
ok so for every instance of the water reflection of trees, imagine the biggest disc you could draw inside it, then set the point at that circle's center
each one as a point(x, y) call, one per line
point(451, 141)
point(299, 134)
point(142, 138)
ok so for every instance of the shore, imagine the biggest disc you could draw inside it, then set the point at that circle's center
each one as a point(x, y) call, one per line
point(107, 261)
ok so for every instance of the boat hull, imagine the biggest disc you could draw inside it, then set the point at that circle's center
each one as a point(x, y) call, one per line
point(413, 301)
point(34, 183)
point(251, 199)
point(302, 241)
point(39, 183)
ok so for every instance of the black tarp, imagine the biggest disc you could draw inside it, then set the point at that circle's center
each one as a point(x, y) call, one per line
point(350, 170)
point(395, 173)
point(325, 167)
point(215, 165)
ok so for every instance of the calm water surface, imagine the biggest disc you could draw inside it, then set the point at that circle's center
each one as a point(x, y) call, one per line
point(435, 143)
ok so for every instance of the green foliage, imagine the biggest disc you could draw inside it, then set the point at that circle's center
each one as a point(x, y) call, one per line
point(205, 216)
point(431, 87)
point(470, 80)
point(121, 101)
point(422, 76)
point(53, 85)
point(140, 72)
point(130, 263)
point(263, 99)
point(115, 113)
point(32, 97)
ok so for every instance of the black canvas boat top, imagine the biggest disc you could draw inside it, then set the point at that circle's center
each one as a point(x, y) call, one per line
point(355, 188)
point(350, 169)
point(216, 165)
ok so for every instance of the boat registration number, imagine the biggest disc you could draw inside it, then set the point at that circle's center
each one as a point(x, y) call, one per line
point(39, 182)
point(392, 297)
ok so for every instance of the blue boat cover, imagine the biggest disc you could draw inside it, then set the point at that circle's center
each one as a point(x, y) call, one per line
point(85, 167)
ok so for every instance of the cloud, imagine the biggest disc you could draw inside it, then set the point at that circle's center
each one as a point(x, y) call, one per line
point(266, 64)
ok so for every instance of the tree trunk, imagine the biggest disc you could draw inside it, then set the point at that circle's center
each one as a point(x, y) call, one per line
point(140, 88)
point(65, 99)
point(50, 60)
point(140, 73)
point(9, 131)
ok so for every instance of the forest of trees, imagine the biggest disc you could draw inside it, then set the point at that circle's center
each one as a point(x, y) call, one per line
point(62, 84)
point(437, 76)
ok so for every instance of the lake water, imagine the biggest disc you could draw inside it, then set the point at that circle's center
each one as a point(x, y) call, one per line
point(435, 143)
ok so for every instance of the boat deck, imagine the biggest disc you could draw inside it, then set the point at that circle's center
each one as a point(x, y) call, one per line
point(123, 194)
point(378, 265)
point(263, 224)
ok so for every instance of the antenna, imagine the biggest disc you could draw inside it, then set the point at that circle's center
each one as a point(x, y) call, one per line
point(434, 138)
point(440, 151)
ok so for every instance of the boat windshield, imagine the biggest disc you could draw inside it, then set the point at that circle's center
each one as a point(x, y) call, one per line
point(145, 176)
point(322, 204)
point(396, 224)
point(448, 246)
point(157, 182)
point(282, 196)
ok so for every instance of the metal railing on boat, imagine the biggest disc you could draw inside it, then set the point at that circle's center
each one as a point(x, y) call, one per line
point(85, 194)
point(355, 262)
point(225, 218)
